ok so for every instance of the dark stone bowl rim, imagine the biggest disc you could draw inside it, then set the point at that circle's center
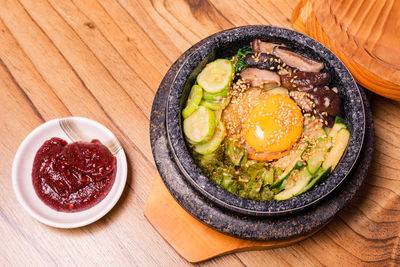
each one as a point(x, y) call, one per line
point(215, 193)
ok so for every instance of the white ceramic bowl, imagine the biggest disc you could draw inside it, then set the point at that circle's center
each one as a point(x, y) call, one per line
point(70, 129)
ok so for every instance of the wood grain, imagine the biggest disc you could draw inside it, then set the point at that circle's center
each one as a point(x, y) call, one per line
point(104, 59)
point(192, 239)
point(362, 33)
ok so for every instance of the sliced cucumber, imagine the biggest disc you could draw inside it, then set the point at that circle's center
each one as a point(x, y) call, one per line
point(303, 178)
point(193, 101)
point(320, 133)
point(216, 96)
point(319, 176)
point(339, 124)
point(200, 125)
point(216, 104)
point(317, 154)
point(339, 120)
point(216, 76)
point(280, 182)
point(297, 164)
point(340, 142)
point(215, 141)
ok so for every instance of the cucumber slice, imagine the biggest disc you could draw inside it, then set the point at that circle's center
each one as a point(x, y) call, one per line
point(339, 120)
point(193, 101)
point(280, 182)
point(303, 178)
point(295, 165)
point(318, 177)
point(317, 154)
point(339, 124)
point(216, 76)
point(215, 141)
point(216, 104)
point(216, 96)
point(200, 125)
point(340, 142)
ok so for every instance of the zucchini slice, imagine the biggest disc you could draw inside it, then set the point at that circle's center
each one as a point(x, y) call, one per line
point(216, 96)
point(213, 144)
point(216, 76)
point(193, 101)
point(340, 142)
point(216, 104)
point(199, 127)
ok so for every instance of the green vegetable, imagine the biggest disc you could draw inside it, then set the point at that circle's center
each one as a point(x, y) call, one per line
point(268, 177)
point(302, 179)
point(193, 101)
point(339, 145)
point(279, 184)
point(318, 177)
point(216, 96)
point(213, 144)
point(317, 154)
point(297, 164)
point(216, 104)
point(238, 59)
point(279, 91)
point(234, 153)
point(200, 125)
point(216, 76)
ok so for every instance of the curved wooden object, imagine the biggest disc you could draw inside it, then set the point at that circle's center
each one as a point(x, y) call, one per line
point(322, 20)
point(193, 240)
point(364, 30)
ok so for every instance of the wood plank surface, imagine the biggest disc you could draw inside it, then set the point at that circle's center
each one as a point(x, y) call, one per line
point(104, 59)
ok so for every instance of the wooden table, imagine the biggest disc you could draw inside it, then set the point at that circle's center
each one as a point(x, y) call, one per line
point(104, 60)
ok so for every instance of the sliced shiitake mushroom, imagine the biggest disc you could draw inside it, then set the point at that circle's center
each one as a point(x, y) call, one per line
point(257, 77)
point(296, 60)
point(326, 101)
point(265, 61)
point(305, 80)
point(262, 47)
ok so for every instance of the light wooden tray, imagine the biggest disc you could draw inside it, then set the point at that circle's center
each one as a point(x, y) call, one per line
point(193, 240)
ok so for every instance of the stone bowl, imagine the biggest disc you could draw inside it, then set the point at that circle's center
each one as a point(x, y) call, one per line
point(224, 45)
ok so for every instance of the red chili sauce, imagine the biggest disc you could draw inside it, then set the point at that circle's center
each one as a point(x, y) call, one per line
point(73, 177)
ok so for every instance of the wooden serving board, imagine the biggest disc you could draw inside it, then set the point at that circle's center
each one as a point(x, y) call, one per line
point(193, 240)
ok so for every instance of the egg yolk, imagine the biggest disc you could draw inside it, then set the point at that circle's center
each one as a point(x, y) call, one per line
point(274, 125)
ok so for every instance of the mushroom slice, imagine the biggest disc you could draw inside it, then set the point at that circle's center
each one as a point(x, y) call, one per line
point(262, 47)
point(257, 77)
point(326, 101)
point(304, 80)
point(264, 61)
point(297, 61)
point(303, 100)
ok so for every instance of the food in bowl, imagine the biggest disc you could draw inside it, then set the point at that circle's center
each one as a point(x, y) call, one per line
point(264, 124)
point(73, 177)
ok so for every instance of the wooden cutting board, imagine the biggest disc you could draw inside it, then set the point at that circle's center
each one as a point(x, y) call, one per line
point(193, 240)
